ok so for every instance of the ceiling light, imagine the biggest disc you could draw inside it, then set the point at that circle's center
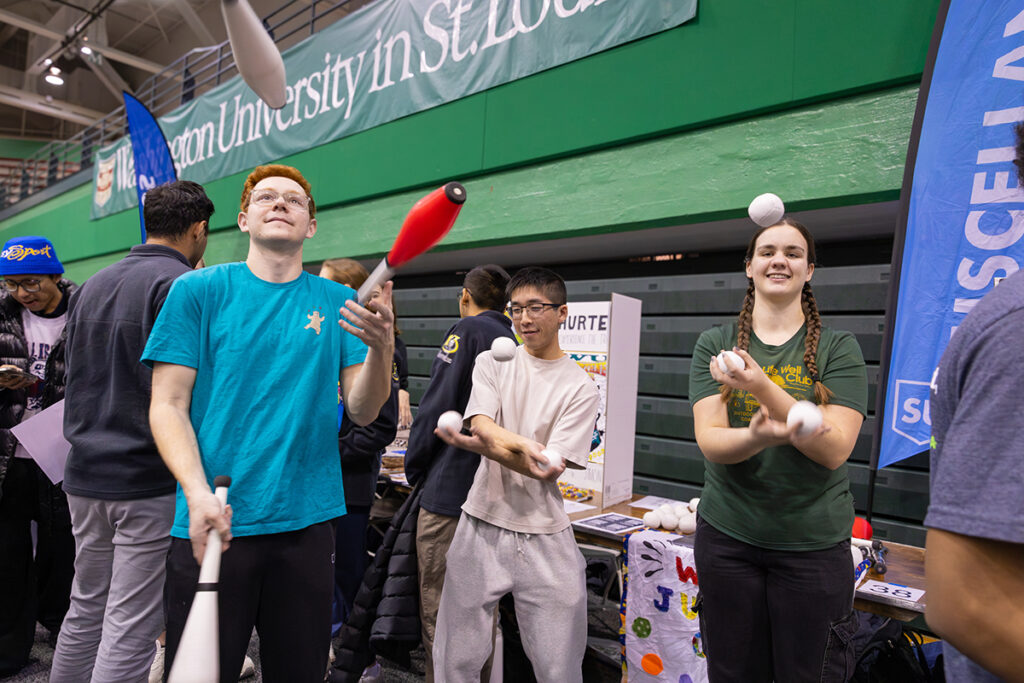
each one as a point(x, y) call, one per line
point(54, 70)
point(86, 50)
point(47, 61)
point(54, 79)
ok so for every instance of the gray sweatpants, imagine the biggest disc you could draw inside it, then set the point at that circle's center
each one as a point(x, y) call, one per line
point(117, 598)
point(545, 574)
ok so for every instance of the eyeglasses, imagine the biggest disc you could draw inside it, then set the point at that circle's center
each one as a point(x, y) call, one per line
point(534, 309)
point(294, 200)
point(30, 286)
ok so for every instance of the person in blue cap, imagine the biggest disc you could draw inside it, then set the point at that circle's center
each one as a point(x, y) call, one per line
point(33, 304)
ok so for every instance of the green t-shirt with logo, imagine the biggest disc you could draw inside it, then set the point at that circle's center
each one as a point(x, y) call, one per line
point(780, 499)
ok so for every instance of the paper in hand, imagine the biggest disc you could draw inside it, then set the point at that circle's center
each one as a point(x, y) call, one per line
point(42, 435)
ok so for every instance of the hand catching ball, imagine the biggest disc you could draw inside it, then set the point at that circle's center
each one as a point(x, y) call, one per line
point(450, 421)
point(766, 210)
point(503, 349)
point(554, 459)
point(729, 361)
point(807, 414)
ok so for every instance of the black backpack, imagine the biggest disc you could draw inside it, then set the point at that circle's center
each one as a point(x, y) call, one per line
point(888, 653)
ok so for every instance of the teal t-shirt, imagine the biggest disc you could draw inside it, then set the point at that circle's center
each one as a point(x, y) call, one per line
point(265, 402)
point(780, 499)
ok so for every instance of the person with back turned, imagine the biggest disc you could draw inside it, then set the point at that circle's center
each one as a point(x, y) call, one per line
point(119, 490)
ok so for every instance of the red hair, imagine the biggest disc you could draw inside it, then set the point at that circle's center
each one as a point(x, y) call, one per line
point(277, 171)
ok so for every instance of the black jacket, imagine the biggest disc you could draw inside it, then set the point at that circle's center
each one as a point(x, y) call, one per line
point(361, 447)
point(14, 351)
point(446, 472)
point(385, 618)
point(106, 414)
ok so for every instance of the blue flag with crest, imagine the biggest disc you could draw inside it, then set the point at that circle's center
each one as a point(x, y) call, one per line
point(150, 152)
point(963, 205)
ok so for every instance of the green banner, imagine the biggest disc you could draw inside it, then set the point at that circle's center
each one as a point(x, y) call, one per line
point(388, 60)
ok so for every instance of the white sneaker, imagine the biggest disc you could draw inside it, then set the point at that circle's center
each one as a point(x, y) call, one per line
point(248, 668)
point(371, 674)
point(156, 669)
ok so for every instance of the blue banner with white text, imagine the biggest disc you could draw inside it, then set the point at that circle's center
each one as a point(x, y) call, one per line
point(153, 163)
point(965, 219)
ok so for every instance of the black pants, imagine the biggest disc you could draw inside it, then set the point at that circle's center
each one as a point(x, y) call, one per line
point(281, 584)
point(350, 566)
point(32, 587)
point(769, 614)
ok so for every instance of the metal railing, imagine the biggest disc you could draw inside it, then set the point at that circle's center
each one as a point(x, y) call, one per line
point(190, 76)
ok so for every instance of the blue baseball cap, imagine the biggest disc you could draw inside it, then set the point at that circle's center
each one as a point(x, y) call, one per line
point(24, 255)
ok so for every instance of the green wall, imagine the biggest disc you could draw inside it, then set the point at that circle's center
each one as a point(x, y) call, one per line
point(13, 148)
point(810, 98)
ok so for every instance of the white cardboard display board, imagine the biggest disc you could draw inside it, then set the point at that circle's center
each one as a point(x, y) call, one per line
point(604, 338)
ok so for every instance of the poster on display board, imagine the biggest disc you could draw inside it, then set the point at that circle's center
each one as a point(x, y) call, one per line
point(662, 632)
point(603, 337)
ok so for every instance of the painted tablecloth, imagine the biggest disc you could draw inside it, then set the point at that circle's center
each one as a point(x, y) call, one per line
point(662, 632)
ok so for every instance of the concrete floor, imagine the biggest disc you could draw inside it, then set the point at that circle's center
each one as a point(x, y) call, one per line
point(599, 666)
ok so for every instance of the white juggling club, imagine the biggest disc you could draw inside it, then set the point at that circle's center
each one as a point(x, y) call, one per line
point(256, 57)
point(198, 657)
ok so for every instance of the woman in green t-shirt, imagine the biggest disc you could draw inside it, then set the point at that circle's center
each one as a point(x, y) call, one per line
point(772, 547)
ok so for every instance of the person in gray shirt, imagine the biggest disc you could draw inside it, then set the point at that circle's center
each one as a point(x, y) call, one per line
point(974, 562)
point(120, 492)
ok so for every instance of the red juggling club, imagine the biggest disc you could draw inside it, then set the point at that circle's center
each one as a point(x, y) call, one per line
point(427, 222)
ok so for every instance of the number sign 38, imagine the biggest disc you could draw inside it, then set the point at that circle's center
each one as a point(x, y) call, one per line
point(891, 589)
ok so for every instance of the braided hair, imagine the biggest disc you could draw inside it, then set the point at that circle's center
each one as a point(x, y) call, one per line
point(744, 322)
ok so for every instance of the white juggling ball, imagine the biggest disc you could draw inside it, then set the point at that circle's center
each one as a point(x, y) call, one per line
point(554, 459)
point(766, 209)
point(687, 523)
point(807, 414)
point(693, 504)
point(680, 509)
point(503, 349)
point(450, 421)
point(669, 521)
point(729, 361)
point(652, 519)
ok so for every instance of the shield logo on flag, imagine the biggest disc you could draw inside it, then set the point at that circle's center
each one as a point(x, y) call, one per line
point(910, 411)
point(105, 179)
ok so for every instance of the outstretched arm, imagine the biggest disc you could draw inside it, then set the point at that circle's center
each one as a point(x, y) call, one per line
point(176, 440)
point(727, 445)
point(506, 448)
point(830, 445)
